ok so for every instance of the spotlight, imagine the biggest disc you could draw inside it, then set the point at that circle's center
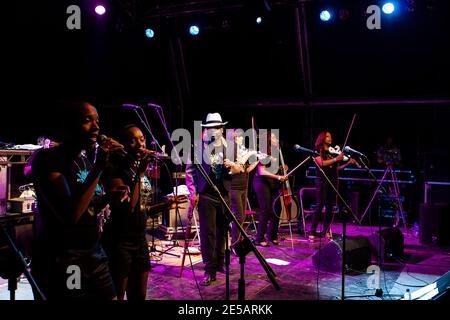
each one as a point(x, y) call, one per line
point(149, 33)
point(258, 20)
point(388, 8)
point(100, 10)
point(325, 15)
point(194, 30)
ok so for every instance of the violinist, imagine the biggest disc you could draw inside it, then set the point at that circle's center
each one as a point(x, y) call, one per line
point(325, 195)
point(239, 181)
point(266, 186)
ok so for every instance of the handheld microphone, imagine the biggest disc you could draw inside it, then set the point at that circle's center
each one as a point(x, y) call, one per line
point(121, 152)
point(347, 149)
point(306, 150)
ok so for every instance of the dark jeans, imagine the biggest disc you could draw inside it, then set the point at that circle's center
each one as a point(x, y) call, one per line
point(53, 273)
point(238, 199)
point(325, 196)
point(268, 221)
point(213, 232)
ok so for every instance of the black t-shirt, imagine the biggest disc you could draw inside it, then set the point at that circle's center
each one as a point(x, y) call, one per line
point(239, 181)
point(56, 234)
point(125, 225)
point(273, 167)
point(330, 171)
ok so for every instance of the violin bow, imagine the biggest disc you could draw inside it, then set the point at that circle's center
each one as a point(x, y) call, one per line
point(348, 132)
point(254, 133)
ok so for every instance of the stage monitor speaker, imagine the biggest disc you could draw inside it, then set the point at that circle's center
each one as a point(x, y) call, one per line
point(392, 243)
point(434, 222)
point(358, 255)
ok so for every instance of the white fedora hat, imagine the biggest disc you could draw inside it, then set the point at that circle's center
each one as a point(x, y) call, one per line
point(213, 120)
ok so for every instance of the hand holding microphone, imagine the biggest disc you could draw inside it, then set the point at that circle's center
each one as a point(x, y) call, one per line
point(107, 146)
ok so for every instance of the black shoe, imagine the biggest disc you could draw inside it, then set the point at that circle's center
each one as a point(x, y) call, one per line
point(221, 269)
point(262, 244)
point(208, 279)
point(275, 242)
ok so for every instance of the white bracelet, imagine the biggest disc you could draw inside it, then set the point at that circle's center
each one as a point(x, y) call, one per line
point(334, 160)
point(279, 178)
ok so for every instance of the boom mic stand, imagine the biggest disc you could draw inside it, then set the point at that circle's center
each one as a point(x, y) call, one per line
point(242, 248)
point(12, 285)
point(344, 225)
point(380, 190)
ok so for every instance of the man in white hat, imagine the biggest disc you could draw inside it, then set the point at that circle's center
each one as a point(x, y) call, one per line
point(213, 218)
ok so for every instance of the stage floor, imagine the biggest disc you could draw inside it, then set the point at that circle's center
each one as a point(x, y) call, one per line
point(298, 278)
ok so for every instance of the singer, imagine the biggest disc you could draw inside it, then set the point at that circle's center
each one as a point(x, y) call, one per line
point(72, 207)
point(325, 195)
point(124, 235)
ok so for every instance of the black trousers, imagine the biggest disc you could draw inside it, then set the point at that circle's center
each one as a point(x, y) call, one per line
point(213, 231)
point(325, 196)
point(237, 199)
point(268, 222)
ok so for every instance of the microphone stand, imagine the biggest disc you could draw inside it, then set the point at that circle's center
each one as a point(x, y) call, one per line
point(242, 248)
point(344, 226)
point(12, 285)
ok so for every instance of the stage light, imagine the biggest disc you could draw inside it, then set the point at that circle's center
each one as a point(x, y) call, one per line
point(258, 20)
point(194, 30)
point(388, 8)
point(325, 15)
point(149, 33)
point(100, 10)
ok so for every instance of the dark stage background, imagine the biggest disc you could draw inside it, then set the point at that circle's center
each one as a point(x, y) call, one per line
point(396, 80)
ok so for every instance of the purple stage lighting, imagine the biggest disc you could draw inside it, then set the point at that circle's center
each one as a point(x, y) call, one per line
point(100, 10)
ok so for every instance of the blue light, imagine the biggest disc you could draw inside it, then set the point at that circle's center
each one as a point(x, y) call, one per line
point(149, 33)
point(325, 15)
point(194, 30)
point(388, 8)
point(258, 20)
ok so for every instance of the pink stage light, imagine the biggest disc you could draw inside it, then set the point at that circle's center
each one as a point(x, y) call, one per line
point(100, 10)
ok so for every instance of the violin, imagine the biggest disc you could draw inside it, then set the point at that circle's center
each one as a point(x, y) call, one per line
point(337, 151)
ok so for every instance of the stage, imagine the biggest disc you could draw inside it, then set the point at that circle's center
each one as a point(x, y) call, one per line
point(299, 278)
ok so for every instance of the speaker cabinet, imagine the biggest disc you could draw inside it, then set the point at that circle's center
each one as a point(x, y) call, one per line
point(358, 255)
point(434, 221)
point(392, 243)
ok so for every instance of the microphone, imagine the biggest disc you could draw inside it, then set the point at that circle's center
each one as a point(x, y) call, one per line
point(121, 152)
point(130, 106)
point(347, 149)
point(154, 105)
point(306, 150)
